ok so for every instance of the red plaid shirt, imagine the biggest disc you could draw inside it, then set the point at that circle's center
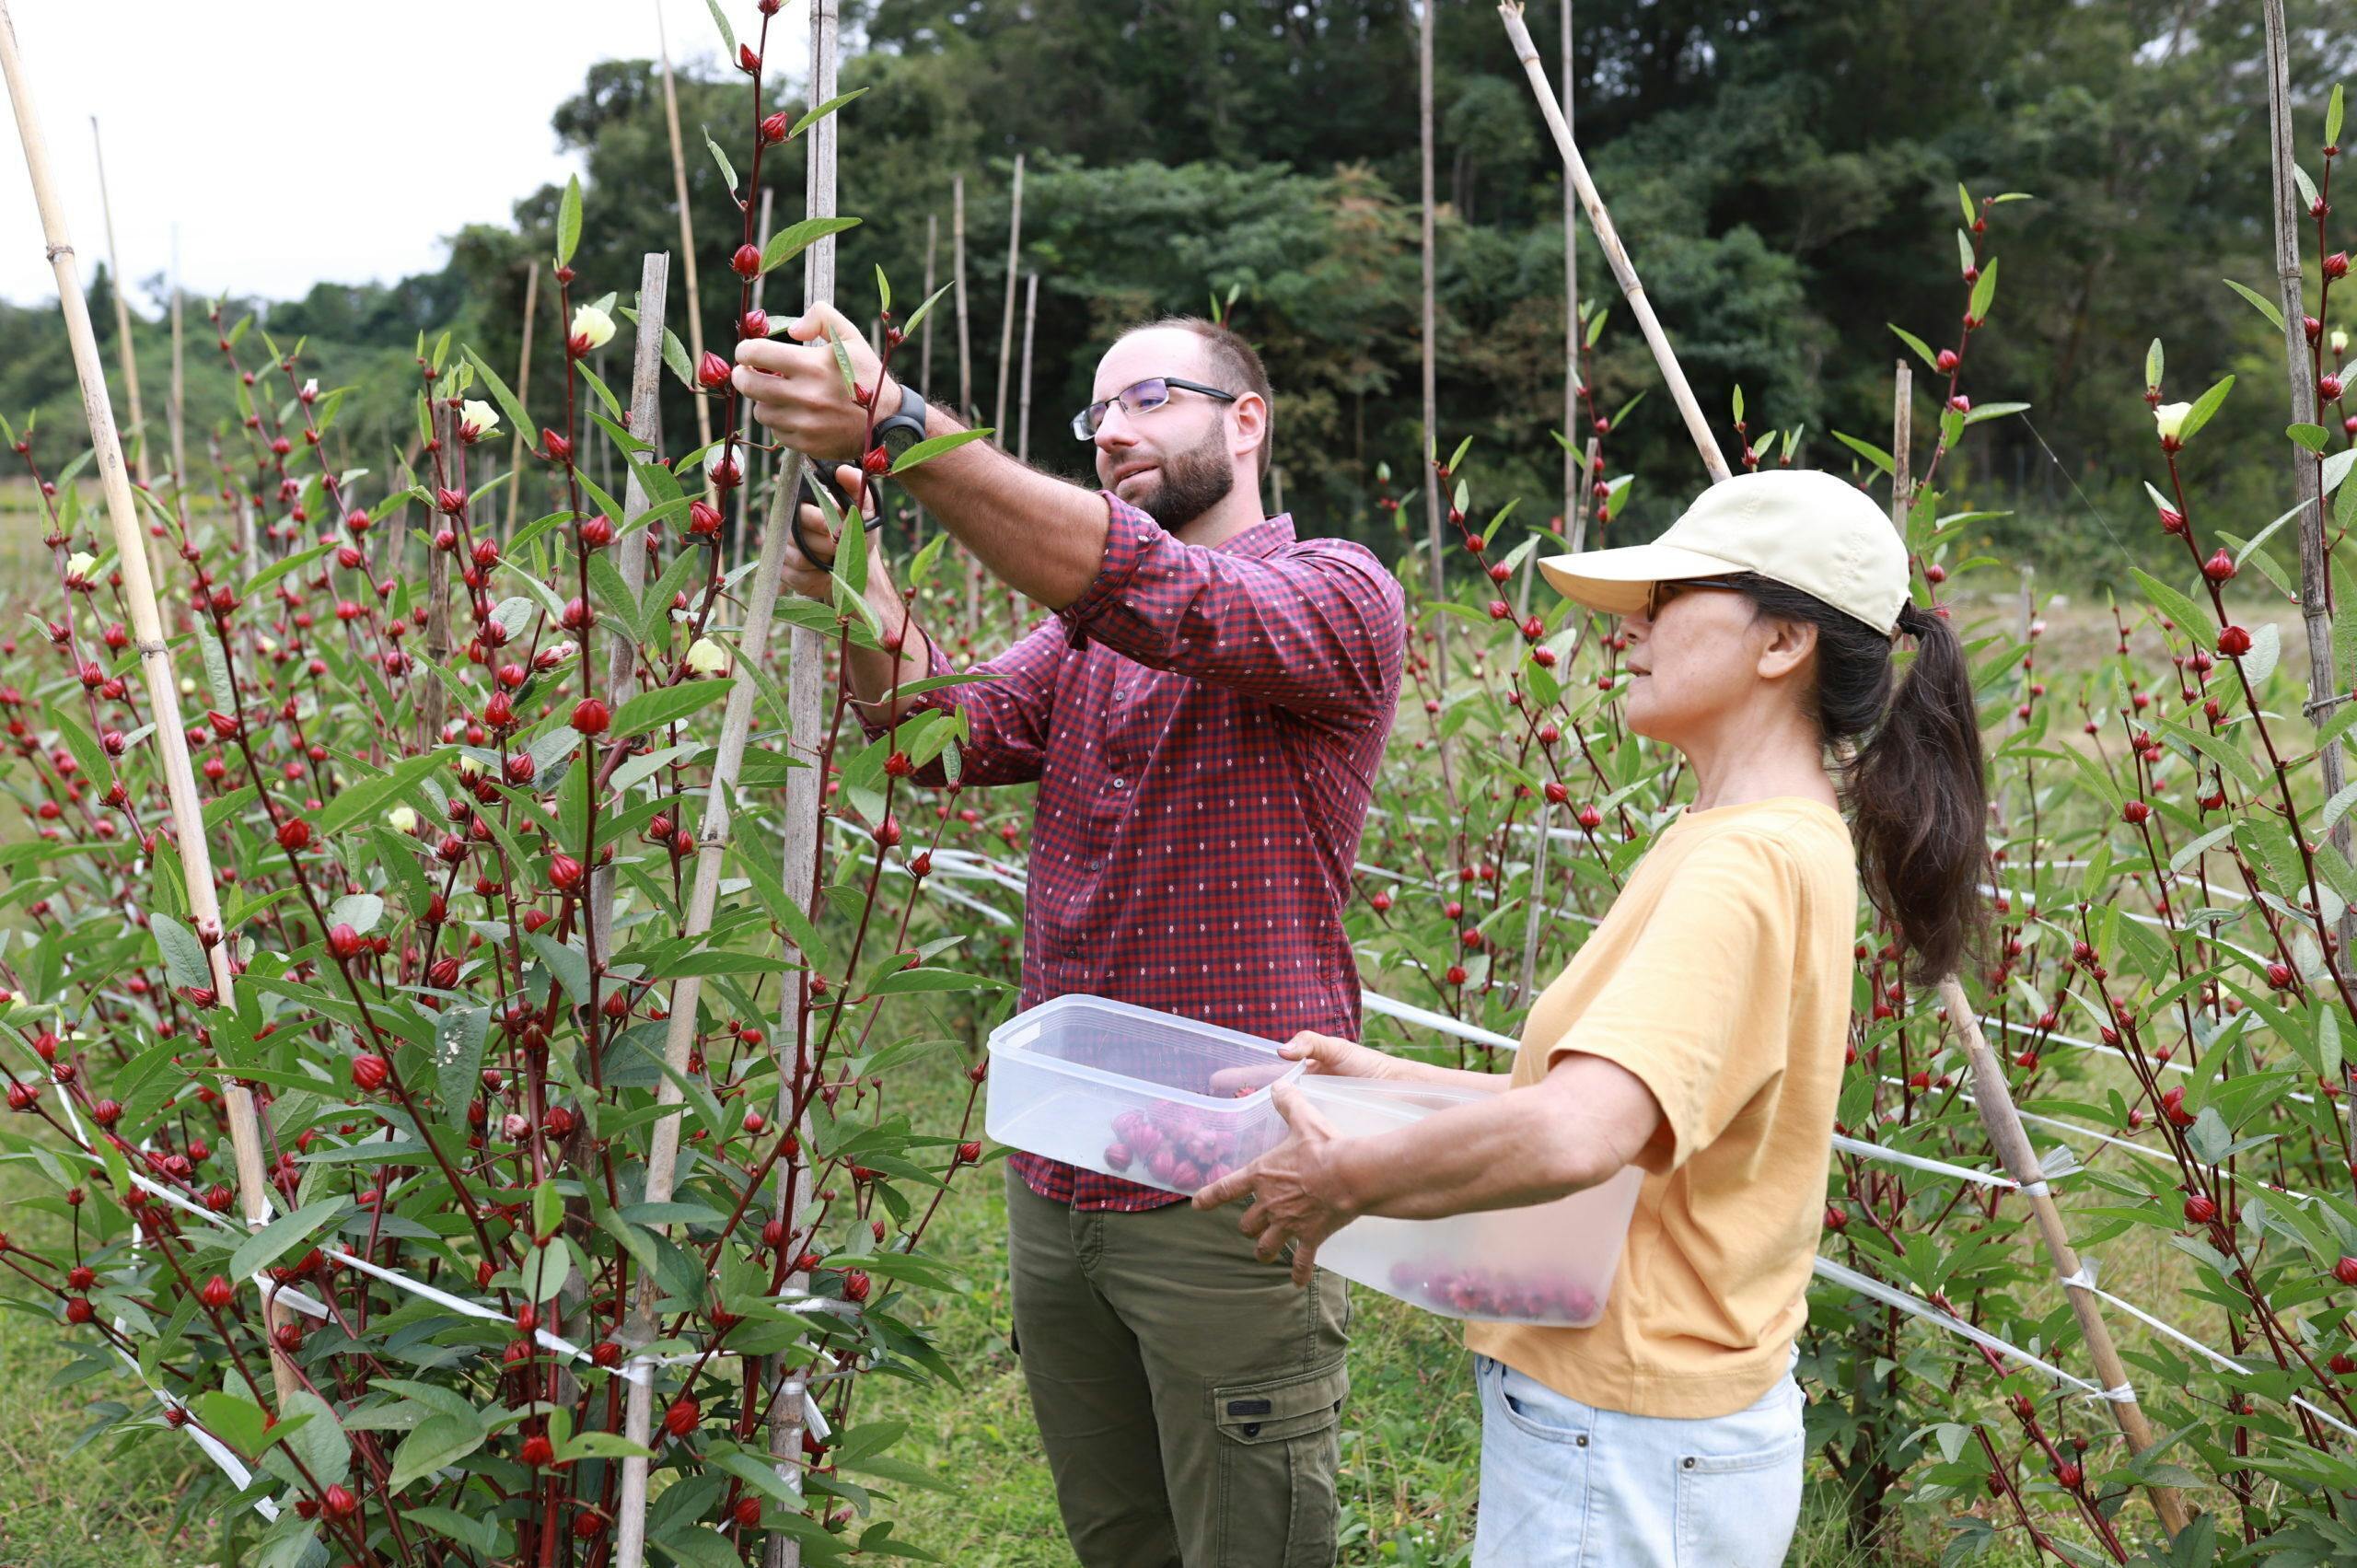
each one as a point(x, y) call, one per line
point(1204, 728)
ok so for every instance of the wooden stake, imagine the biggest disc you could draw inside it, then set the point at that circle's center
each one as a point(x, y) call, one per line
point(924, 346)
point(694, 299)
point(1030, 320)
point(1902, 443)
point(155, 655)
point(1007, 327)
point(2003, 1124)
point(523, 395)
point(1536, 914)
point(2307, 471)
point(1431, 365)
point(1607, 238)
point(175, 406)
point(799, 861)
point(965, 372)
point(630, 548)
point(433, 704)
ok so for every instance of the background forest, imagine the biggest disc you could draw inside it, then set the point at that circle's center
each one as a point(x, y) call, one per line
point(1782, 169)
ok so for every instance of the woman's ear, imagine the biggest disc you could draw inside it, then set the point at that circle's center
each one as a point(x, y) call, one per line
point(1791, 646)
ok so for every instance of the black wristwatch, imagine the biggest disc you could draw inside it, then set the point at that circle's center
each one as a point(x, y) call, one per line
point(903, 429)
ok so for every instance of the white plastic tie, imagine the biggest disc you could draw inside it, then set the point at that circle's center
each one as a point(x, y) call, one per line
point(2037, 1189)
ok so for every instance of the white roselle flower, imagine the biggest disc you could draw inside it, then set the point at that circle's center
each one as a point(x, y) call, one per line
point(705, 658)
point(2339, 341)
point(403, 819)
point(78, 564)
point(479, 418)
point(2170, 418)
point(592, 328)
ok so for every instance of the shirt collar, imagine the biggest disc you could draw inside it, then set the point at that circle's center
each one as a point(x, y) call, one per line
point(1263, 538)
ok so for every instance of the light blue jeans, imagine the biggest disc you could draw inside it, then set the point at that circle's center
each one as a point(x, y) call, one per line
point(1566, 1485)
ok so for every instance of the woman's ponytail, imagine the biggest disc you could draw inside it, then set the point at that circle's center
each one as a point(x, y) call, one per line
point(1913, 785)
point(1918, 804)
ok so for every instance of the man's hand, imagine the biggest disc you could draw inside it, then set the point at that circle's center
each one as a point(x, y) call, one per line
point(808, 575)
point(796, 389)
point(1295, 1189)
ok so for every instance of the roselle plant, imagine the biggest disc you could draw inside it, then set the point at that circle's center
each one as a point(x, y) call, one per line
point(418, 773)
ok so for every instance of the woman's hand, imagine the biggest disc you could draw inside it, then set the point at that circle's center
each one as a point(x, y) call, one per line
point(1298, 1192)
point(1343, 1058)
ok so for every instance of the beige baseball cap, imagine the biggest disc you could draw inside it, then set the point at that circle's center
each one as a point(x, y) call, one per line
point(1803, 528)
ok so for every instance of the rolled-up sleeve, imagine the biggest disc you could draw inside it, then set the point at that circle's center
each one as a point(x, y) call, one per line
point(1008, 716)
point(1319, 630)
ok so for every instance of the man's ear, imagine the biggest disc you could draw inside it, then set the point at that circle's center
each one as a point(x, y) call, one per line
point(1252, 422)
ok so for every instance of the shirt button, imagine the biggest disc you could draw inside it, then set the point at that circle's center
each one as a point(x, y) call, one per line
point(1120, 784)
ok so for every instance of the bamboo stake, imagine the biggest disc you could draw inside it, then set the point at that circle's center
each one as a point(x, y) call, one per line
point(2003, 1124)
point(2307, 473)
point(155, 655)
point(124, 352)
point(1574, 474)
point(1007, 326)
point(1431, 365)
point(799, 860)
point(1277, 489)
point(630, 549)
point(1579, 518)
point(175, 407)
point(695, 297)
point(1030, 320)
point(523, 395)
point(1607, 239)
point(1538, 907)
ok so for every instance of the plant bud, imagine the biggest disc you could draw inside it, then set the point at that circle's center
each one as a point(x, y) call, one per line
point(2219, 567)
point(2135, 812)
point(754, 323)
point(591, 716)
point(704, 518)
point(2336, 266)
point(746, 261)
point(774, 127)
point(711, 371)
point(293, 835)
point(2233, 641)
point(217, 1292)
point(565, 872)
point(343, 941)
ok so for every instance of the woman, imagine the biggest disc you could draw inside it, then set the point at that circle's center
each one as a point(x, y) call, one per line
point(1697, 1034)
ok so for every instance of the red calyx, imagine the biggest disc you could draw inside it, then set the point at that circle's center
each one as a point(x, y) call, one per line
point(2199, 1210)
point(344, 942)
point(591, 716)
point(746, 261)
point(565, 872)
point(704, 518)
point(711, 371)
point(369, 1073)
point(217, 1292)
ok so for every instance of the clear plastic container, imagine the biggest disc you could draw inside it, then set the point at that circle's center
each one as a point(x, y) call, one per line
point(1129, 1092)
point(1551, 1263)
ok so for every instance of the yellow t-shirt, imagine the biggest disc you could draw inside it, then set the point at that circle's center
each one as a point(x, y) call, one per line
point(1720, 977)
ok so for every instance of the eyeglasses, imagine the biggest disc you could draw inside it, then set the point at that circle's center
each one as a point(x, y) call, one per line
point(1143, 397)
point(1659, 594)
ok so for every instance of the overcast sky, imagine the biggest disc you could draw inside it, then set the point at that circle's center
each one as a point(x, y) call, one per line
point(297, 141)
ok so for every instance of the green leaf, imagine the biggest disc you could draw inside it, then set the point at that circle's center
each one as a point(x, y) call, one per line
point(1984, 291)
point(1979, 412)
point(1922, 350)
point(274, 1239)
point(2312, 437)
point(320, 1441)
point(791, 241)
point(458, 1036)
point(728, 36)
point(2153, 361)
point(2259, 302)
point(1873, 454)
point(509, 403)
point(821, 112)
point(234, 1419)
point(2203, 407)
point(2332, 117)
point(2173, 604)
point(439, 1440)
point(900, 981)
point(727, 169)
point(184, 959)
point(934, 446)
point(668, 705)
point(568, 225)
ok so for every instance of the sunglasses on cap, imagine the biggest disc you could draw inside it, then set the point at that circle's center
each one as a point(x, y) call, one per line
point(1140, 397)
point(1660, 593)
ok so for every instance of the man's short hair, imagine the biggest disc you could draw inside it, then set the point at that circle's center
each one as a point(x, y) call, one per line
point(1236, 362)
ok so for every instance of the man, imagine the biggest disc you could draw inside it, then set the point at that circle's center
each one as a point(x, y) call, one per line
point(1203, 714)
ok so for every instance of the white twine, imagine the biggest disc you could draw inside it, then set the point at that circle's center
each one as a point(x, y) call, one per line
point(1939, 1168)
point(1890, 1295)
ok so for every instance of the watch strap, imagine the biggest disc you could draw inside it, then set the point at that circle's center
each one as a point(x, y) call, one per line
point(905, 426)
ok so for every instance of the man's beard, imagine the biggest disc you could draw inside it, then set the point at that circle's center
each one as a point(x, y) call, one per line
point(1188, 483)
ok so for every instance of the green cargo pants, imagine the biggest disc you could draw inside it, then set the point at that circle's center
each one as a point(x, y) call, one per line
point(1188, 1394)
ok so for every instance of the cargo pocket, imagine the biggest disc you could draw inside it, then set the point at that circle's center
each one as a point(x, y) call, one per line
point(1278, 1450)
